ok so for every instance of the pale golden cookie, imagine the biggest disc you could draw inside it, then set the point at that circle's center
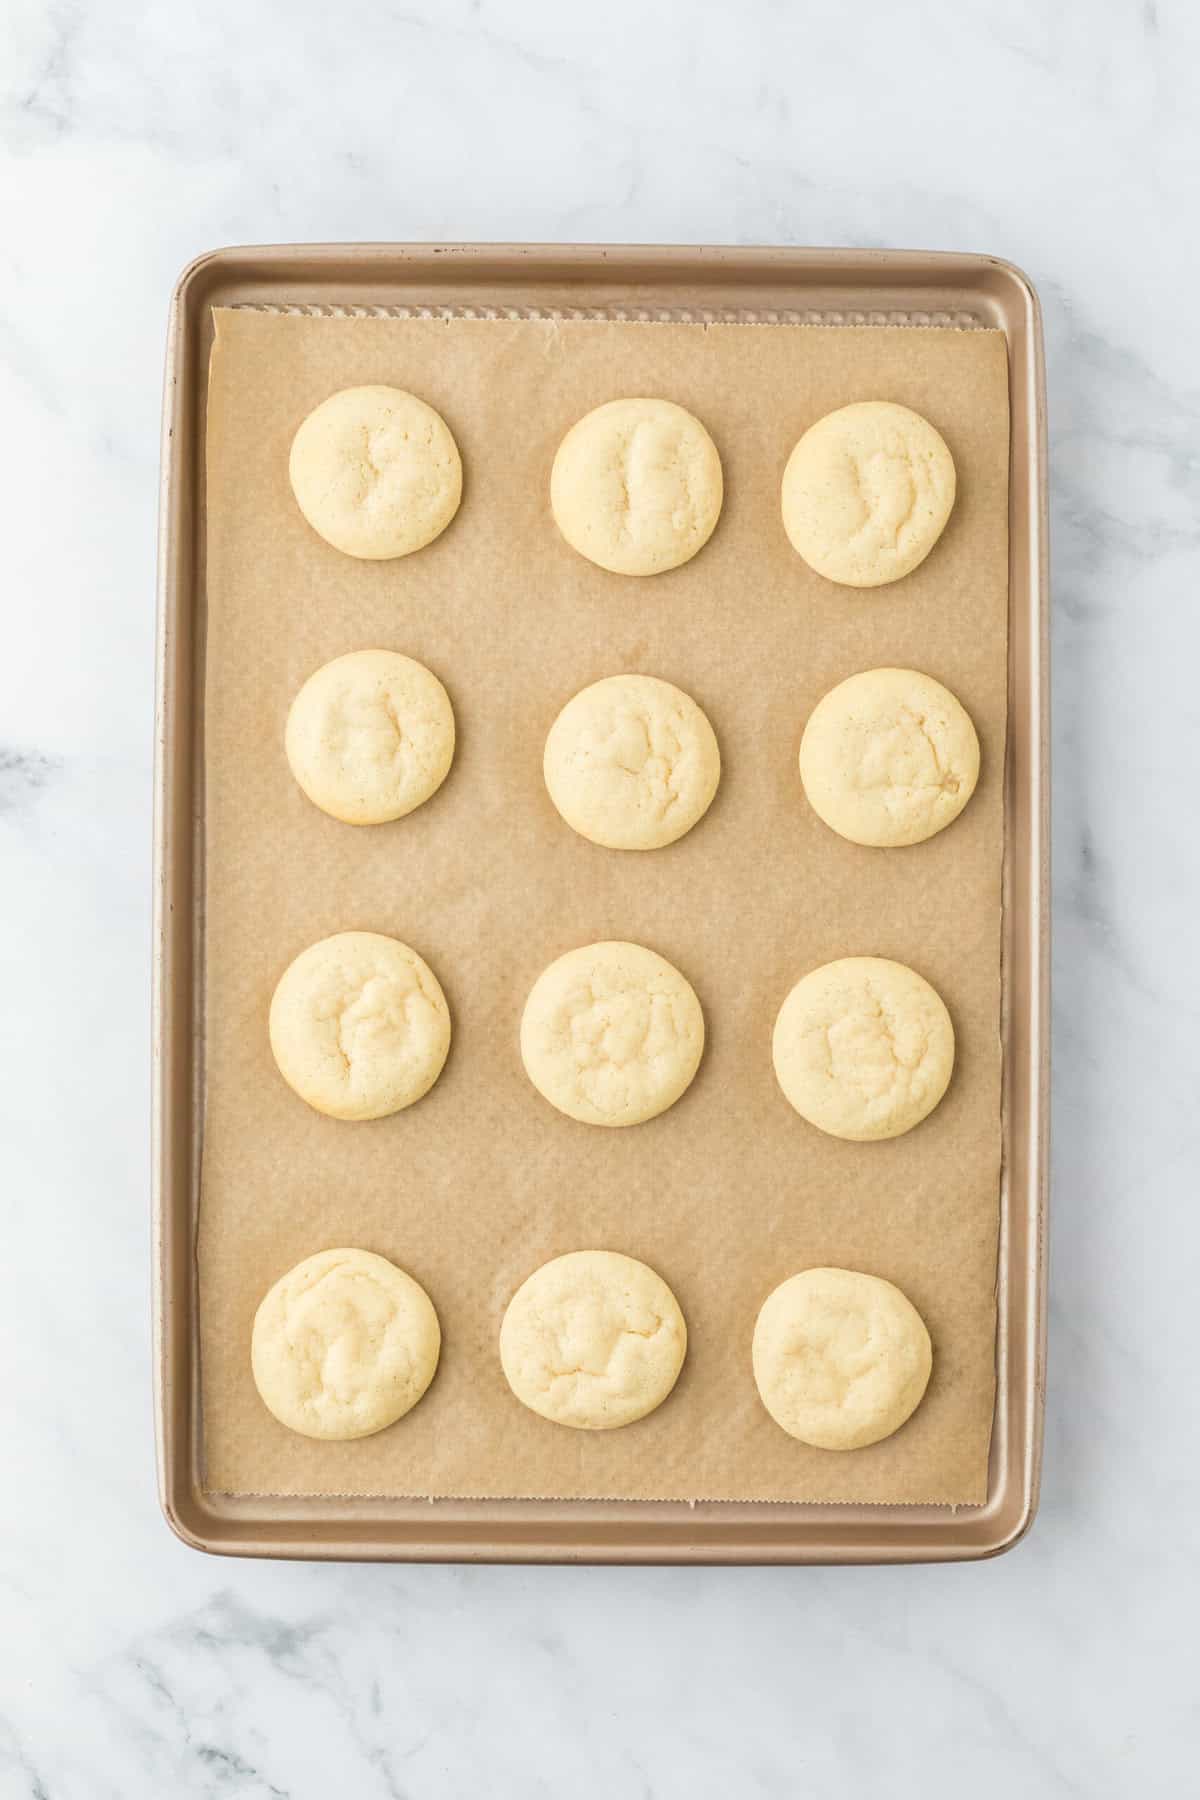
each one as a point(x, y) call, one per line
point(344, 1344)
point(359, 1026)
point(867, 492)
point(841, 1359)
point(636, 486)
point(889, 757)
point(631, 763)
point(376, 472)
point(370, 736)
point(593, 1340)
point(611, 1034)
point(863, 1048)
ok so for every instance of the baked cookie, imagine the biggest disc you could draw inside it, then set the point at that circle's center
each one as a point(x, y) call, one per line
point(611, 1034)
point(840, 1359)
point(344, 1344)
point(889, 757)
point(593, 1340)
point(863, 1048)
point(636, 486)
point(867, 492)
point(370, 736)
point(359, 1026)
point(631, 763)
point(376, 472)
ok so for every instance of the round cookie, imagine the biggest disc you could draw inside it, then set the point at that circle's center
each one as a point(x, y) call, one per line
point(359, 1026)
point(631, 763)
point(611, 1034)
point(867, 492)
point(840, 1359)
point(593, 1340)
point(863, 1048)
point(889, 757)
point(344, 1344)
point(370, 736)
point(376, 472)
point(636, 486)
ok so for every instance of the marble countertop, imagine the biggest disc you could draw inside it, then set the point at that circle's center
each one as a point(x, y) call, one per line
point(132, 137)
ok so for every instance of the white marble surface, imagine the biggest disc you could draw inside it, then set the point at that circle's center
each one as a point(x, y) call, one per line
point(1063, 136)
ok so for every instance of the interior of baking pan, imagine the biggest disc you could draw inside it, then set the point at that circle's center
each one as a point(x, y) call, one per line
point(857, 288)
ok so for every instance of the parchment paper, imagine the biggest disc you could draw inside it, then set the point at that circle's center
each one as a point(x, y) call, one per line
point(730, 1191)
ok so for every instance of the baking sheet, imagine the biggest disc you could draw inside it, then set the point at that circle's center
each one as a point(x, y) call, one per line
point(728, 1192)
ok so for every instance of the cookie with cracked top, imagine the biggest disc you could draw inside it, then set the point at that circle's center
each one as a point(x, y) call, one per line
point(841, 1359)
point(889, 757)
point(863, 1048)
point(867, 492)
point(370, 736)
point(359, 1025)
point(376, 472)
point(593, 1340)
point(611, 1034)
point(632, 763)
point(343, 1345)
point(637, 486)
